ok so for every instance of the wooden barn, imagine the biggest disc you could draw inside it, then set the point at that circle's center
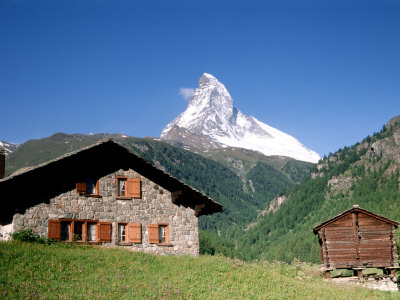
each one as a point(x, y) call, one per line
point(358, 239)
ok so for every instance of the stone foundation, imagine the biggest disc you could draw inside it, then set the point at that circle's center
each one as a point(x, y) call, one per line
point(383, 283)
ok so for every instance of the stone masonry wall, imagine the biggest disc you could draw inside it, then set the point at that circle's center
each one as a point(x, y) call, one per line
point(154, 207)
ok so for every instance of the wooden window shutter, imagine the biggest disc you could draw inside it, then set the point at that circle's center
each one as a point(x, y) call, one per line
point(97, 187)
point(81, 187)
point(84, 232)
point(54, 230)
point(153, 233)
point(167, 233)
point(133, 185)
point(135, 233)
point(105, 232)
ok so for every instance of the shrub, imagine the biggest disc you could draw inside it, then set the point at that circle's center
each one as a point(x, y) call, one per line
point(27, 235)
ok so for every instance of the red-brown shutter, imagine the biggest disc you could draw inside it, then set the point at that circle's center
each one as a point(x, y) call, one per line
point(54, 230)
point(153, 233)
point(133, 185)
point(135, 233)
point(81, 187)
point(84, 232)
point(167, 233)
point(97, 187)
point(105, 232)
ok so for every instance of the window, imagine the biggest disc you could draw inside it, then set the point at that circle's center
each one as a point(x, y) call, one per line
point(159, 234)
point(65, 230)
point(129, 233)
point(128, 188)
point(78, 226)
point(79, 230)
point(122, 232)
point(91, 232)
point(122, 187)
point(89, 188)
point(162, 229)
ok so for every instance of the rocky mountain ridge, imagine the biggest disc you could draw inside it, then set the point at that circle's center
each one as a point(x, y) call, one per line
point(211, 115)
point(8, 147)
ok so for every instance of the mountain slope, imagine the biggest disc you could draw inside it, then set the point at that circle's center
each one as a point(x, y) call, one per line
point(211, 113)
point(242, 196)
point(367, 174)
point(34, 152)
point(241, 161)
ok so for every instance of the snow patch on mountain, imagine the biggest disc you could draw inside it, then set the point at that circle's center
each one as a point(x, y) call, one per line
point(8, 147)
point(211, 113)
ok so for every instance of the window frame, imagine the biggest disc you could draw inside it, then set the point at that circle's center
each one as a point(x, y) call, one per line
point(81, 188)
point(65, 230)
point(133, 233)
point(118, 179)
point(133, 188)
point(103, 231)
point(79, 231)
point(163, 237)
point(154, 234)
point(55, 231)
point(125, 241)
point(95, 231)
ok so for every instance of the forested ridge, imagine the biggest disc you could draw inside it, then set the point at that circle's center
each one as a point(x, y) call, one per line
point(366, 174)
point(242, 196)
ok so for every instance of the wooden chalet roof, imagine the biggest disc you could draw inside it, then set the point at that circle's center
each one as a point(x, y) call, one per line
point(355, 208)
point(34, 185)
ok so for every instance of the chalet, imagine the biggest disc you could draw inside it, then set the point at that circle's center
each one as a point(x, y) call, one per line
point(105, 194)
point(358, 239)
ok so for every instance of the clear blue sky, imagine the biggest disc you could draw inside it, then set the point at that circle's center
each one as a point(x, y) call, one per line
point(326, 72)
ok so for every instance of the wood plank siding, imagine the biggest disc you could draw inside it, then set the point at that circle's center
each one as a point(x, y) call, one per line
point(357, 239)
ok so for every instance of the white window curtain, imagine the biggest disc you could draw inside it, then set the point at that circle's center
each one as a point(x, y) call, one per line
point(121, 187)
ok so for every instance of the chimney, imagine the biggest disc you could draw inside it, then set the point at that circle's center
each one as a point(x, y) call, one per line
point(2, 162)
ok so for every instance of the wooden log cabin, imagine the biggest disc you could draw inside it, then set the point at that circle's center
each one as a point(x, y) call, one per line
point(358, 239)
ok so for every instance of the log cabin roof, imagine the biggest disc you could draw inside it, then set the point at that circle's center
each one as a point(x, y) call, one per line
point(33, 185)
point(355, 208)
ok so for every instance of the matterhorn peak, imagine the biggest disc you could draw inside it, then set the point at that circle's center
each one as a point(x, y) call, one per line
point(211, 94)
point(207, 79)
point(211, 113)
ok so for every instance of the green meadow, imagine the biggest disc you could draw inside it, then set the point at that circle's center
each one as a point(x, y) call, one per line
point(67, 271)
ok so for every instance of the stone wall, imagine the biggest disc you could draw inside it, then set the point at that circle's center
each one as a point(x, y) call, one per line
point(155, 206)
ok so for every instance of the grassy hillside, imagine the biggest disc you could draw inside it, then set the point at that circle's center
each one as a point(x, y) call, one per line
point(367, 174)
point(65, 271)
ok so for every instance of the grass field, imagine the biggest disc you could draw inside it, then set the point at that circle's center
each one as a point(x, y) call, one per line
point(58, 271)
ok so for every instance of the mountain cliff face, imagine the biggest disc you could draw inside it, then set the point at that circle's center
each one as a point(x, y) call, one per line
point(211, 114)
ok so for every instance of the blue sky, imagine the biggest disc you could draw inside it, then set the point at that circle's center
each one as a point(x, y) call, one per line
point(326, 72)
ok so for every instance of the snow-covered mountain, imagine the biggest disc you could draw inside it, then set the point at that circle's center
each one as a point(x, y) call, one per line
point(211, 113)
point(8, 147)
